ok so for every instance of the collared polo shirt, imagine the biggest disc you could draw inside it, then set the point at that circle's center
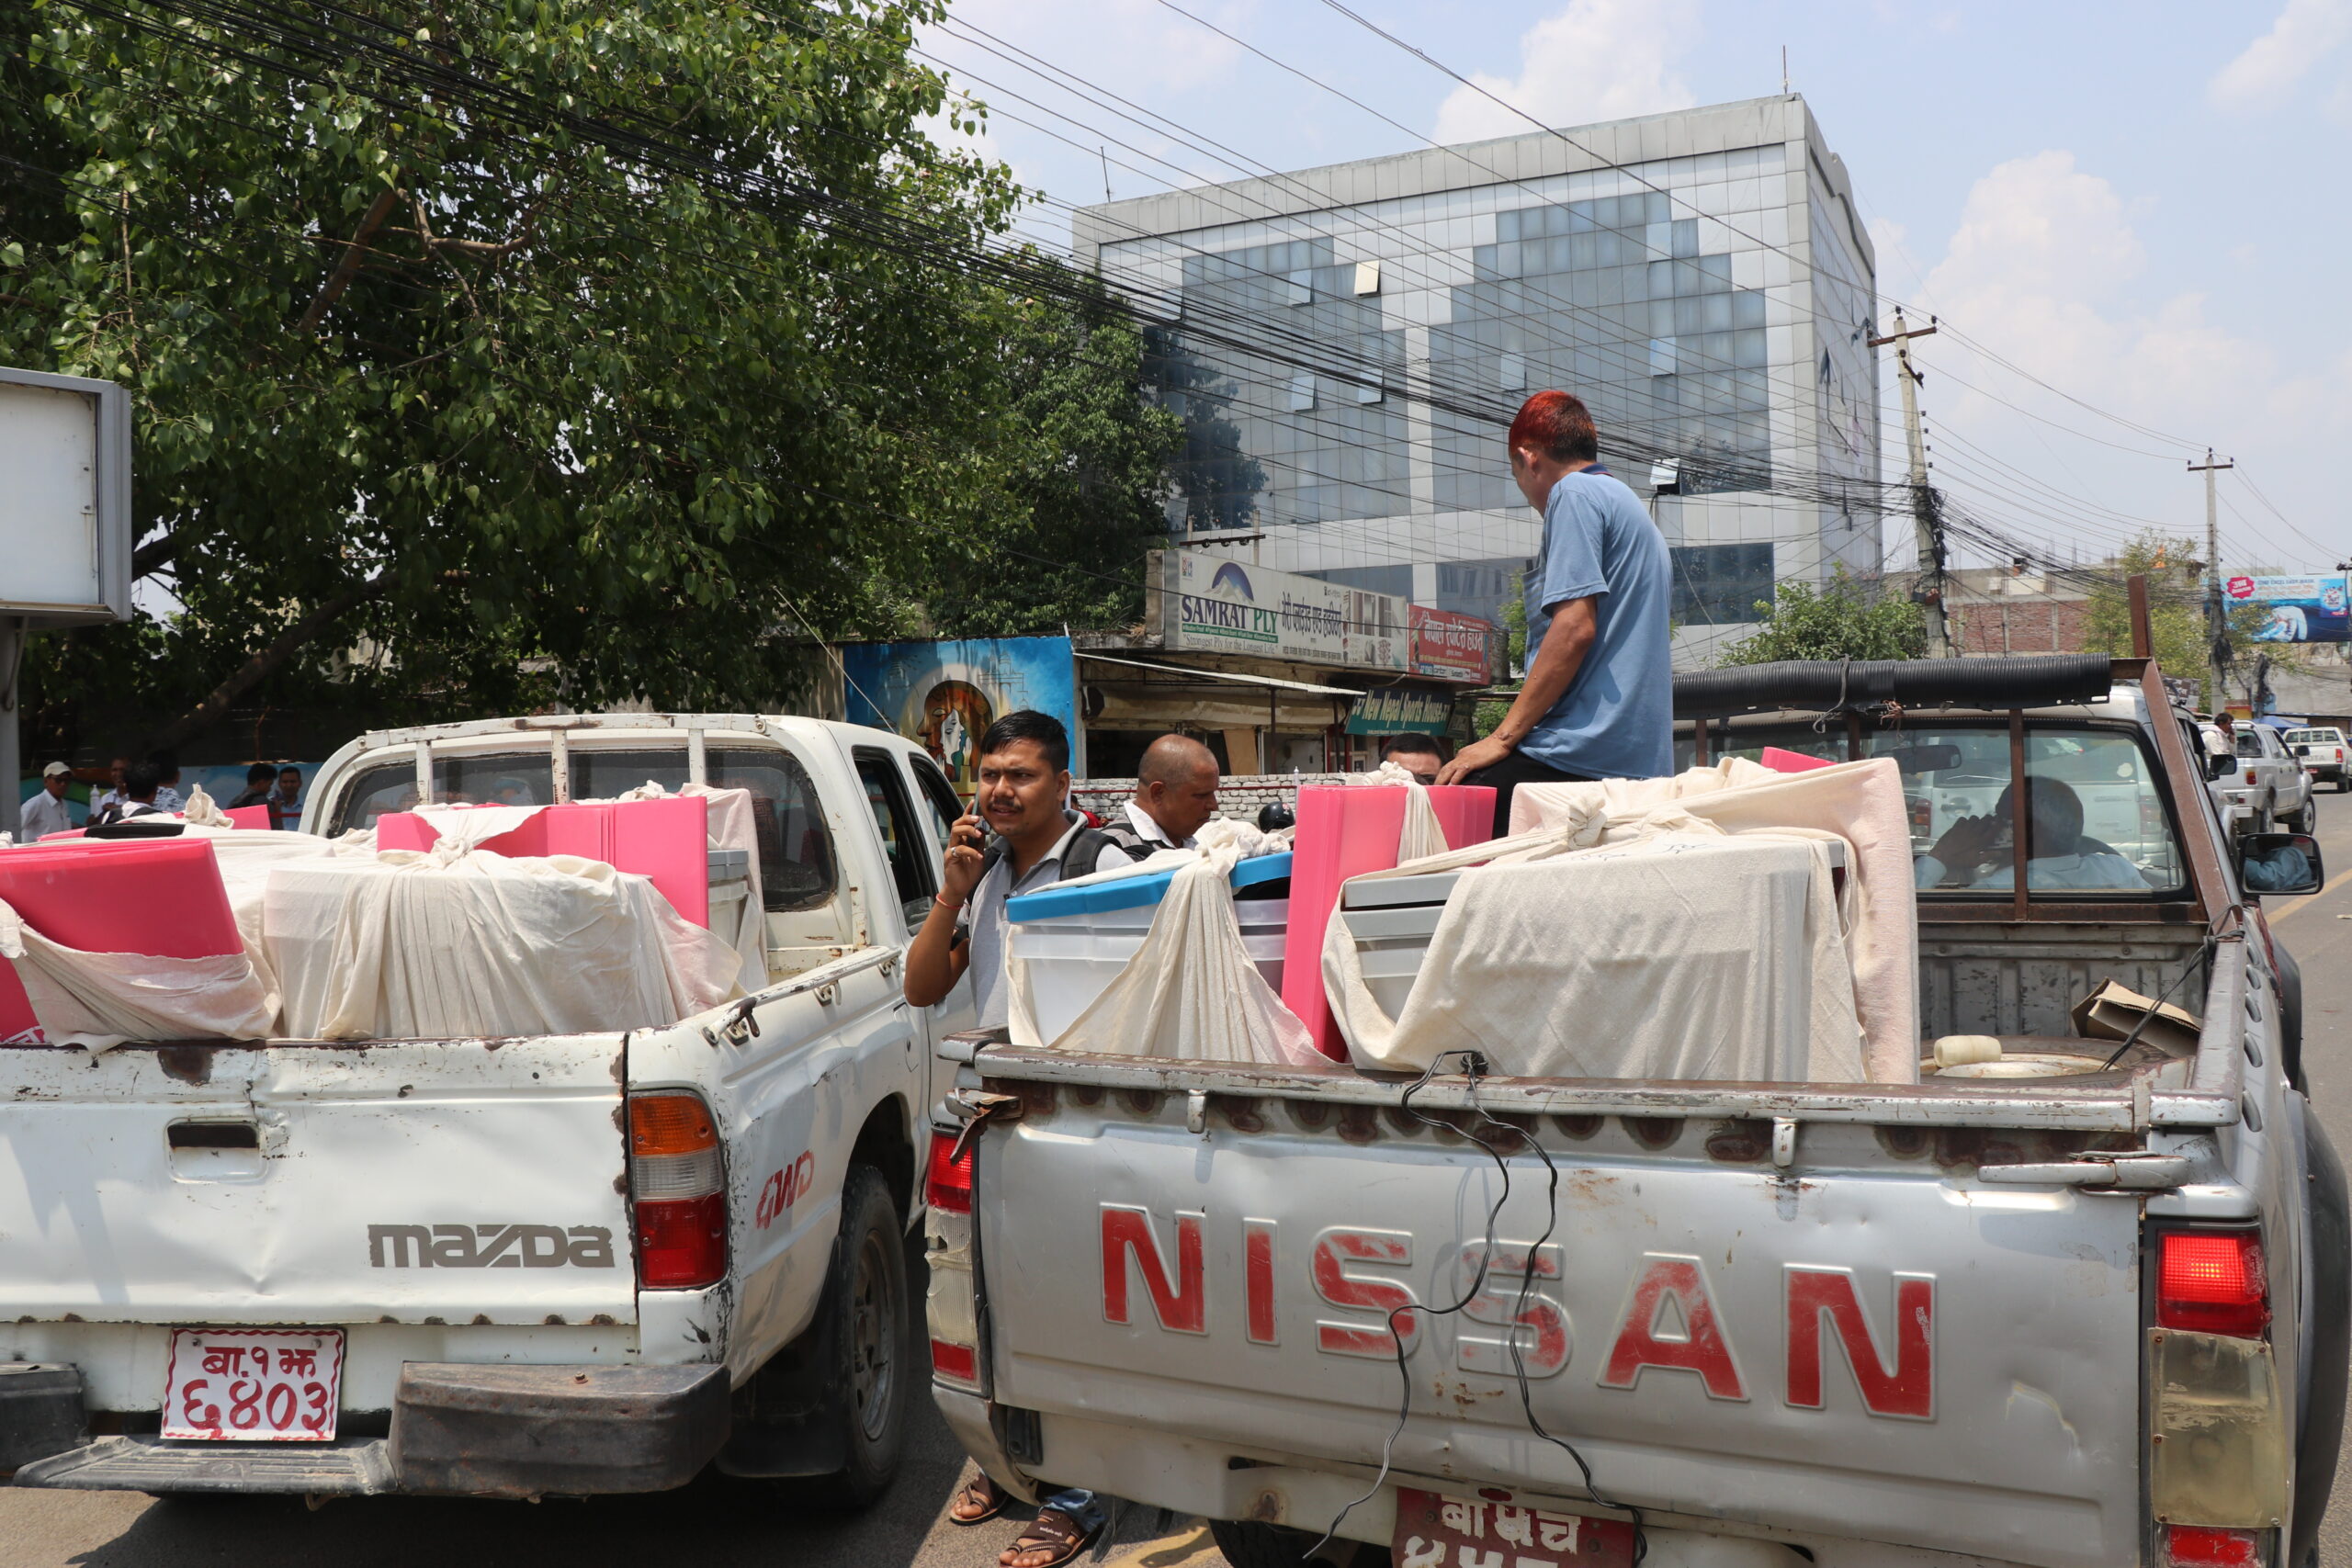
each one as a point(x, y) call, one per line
point(984, 923)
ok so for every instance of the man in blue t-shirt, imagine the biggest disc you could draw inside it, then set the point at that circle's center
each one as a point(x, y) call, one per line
point(1598, 701)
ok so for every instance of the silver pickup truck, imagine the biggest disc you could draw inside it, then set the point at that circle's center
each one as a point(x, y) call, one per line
point(1485, 1322)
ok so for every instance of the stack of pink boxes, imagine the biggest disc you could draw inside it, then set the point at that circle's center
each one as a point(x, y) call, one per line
point(1345, 830)
point(159, 897)
point(665, 840)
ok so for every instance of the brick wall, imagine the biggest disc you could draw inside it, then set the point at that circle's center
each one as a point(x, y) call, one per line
point(1238, 796)
point(2021, 626)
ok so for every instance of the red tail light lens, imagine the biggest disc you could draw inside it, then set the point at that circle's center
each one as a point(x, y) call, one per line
point(2249, 775)
point(679, 1180)
point(952, 1360)
point(2211, 1282)
point(682, 1242)
point(948, 1184)
point(2196, 1546)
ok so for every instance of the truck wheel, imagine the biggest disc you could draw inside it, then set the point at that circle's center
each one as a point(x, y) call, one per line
point(1248, 1544)
point(875, 1369)
point(838, 1396)
point(2300, 822)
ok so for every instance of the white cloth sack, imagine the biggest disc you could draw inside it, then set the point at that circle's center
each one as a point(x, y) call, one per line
point(1859, 802)
point(1688, 954)
point(1422, 834)
point(1191, 990)
point(99, 1000)
point(411, 947)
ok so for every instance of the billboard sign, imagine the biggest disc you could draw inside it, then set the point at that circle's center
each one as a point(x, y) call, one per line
point(1399, 710)
point(1216, 605)
point(1450, 646)
point(943, 694)
point(66, 515)
point(2302, 609)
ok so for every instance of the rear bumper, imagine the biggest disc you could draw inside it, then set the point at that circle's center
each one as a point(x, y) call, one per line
point(457, 1430)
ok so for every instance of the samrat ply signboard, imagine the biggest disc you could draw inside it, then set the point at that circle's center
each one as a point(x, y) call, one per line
point(1216, 605)
point(2302, 609)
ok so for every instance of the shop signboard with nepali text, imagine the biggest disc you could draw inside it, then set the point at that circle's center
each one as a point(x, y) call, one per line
point(944, 693)
point(1449, 647)
point(2302, 609)
point(1213, 604)
point(1398, 710)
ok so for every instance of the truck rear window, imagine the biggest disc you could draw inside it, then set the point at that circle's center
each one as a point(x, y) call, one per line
point(2110, 835)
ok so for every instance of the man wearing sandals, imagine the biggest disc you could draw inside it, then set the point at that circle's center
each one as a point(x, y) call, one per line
point(1023, 779)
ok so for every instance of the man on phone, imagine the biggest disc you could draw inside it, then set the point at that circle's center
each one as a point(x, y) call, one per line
point(1031, 840)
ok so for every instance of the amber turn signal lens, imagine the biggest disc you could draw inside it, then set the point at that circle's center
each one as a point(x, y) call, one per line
point(668, 1124)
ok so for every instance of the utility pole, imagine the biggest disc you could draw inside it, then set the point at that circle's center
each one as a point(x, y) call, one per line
point(1928, 528)
point(2216, 639)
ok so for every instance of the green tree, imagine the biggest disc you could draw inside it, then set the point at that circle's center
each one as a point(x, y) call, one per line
point(1079, 460)
point(2175, 614)
point(428, 359)
point(1842, 618)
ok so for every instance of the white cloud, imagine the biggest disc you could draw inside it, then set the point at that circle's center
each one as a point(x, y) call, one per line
point(1598, 60)
point(2305, 32)
point(2041, 271)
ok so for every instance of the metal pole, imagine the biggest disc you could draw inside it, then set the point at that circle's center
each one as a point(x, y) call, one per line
point(1926, 529)
point(2217, 697)
point(12, 767)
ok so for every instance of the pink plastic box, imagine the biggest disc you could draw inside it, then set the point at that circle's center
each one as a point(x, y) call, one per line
point(665, 840)
point(160, 896)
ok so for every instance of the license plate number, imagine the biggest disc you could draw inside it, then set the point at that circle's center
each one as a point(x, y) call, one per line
point(266, 1385)
point(1437, 1531)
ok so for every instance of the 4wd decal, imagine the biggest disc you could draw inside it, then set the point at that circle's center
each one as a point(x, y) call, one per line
point(489, 1246)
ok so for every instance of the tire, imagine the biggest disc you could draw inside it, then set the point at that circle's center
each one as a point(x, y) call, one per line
point(2300, 822)
point(875, 1368)
point(844, 1387)
point(1246, 1543)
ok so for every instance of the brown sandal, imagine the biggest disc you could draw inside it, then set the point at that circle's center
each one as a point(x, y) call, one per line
point(982, 1493)
point(1054, 1530)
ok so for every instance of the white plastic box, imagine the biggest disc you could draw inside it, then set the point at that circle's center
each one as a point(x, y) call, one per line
point(731, 884)
point(1076, 939)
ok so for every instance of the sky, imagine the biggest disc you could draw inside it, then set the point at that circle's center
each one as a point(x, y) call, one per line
point(2134, 219)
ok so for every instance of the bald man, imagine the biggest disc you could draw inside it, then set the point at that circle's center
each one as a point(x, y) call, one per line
point(1175, 797)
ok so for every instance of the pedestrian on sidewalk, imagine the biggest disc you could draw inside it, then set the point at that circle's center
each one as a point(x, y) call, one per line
point(1598, 699)
point(45, 812)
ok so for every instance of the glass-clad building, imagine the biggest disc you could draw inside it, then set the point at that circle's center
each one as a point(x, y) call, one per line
point(1347, 344)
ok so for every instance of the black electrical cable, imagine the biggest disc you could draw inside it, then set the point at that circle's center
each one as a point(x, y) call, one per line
point(1473, 1067)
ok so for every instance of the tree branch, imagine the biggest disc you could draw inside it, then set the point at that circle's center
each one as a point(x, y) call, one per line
point(347, 268)
point(154, 556)
point(286, 644)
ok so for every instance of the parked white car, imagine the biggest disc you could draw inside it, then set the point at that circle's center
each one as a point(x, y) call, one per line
point(2320, 749)
point(2269, 784)
point(506, 1268)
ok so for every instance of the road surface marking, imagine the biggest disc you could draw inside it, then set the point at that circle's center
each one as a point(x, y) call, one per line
point(1167, 1551)
point(2334, 883)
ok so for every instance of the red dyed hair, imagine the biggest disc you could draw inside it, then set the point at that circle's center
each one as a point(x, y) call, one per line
point(1558, 425)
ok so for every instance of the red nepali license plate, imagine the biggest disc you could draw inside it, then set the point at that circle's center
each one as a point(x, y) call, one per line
point(1438, 1531)
point(261, 1385)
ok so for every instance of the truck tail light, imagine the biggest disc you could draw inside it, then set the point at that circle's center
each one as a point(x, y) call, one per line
point(679, 1184)
point(2249, 775)
point(2211, 1282)
point(2199, 1546)
point(957, 1363)
point(948, 1184)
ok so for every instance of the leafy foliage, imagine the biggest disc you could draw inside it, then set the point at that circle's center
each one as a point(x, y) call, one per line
point(2176, 614)
point(1842, 618)
point(564, 424)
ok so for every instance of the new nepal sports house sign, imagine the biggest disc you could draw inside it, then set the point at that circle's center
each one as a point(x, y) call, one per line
point(1216, 605)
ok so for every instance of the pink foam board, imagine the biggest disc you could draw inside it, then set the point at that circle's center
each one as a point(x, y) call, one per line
point(1466, 812)
point(665, 840)
point(1781, 761)
point(1343, 831)
point(160, 897)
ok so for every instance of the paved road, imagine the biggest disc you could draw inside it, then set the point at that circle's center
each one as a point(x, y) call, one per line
point(2318, 931)
point(717, 1527)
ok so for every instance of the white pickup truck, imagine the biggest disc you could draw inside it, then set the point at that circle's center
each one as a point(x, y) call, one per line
point(506, 1267)
point(2074, 1322)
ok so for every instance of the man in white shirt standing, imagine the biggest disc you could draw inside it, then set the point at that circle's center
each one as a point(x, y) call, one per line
point(45, 812)
point(1175, 797)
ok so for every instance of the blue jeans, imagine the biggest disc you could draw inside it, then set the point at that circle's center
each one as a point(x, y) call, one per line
point(1083, 1507)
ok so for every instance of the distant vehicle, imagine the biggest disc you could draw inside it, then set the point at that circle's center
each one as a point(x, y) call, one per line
point(2269, 787)
point(2321, 751)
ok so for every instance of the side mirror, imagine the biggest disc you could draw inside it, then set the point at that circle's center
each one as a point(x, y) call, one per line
point(2280, 862)
point(2218, 763)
